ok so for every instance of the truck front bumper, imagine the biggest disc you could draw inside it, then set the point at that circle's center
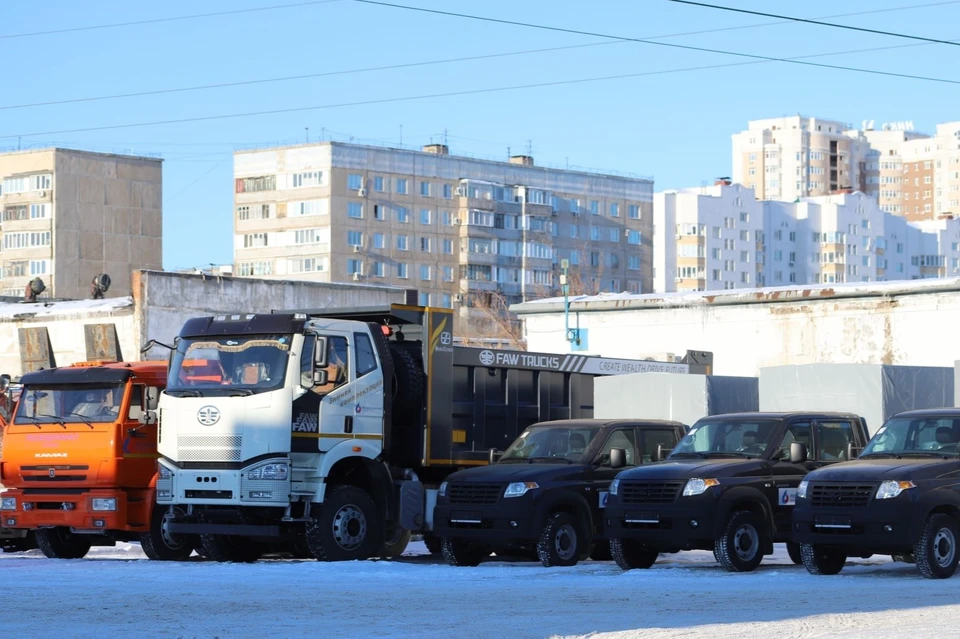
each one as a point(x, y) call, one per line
point(72, 510)
point(508, 521)
point(217, 487)
point(687, 524)
point(882, 527)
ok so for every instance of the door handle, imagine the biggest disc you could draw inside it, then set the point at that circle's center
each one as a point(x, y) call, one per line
point(348, 424)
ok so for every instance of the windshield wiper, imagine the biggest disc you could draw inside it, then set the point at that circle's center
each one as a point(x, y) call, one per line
point(241, 392)
point(926, 453)
point(878, 455)
point(56, 419)
point(688, 454)
point(549, 459)
point(86, 421)
point(187, 392)
point(36, 422)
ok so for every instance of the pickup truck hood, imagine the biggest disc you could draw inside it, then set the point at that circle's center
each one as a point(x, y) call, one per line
point(516, 471)
point(887, 468)
point(691, 467)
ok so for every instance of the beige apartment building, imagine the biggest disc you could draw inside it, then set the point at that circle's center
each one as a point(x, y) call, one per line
point(68, 216)
point(468, 234)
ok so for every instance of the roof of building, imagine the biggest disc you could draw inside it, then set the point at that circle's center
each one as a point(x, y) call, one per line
point(15, 311)
point(766, 295)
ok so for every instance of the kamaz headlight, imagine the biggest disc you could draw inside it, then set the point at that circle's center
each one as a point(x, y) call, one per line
point(270, 472)
point(164, 471)
point(614, 486)
point(103, 504)
point(698, 486)
point(802, 490)
point(520, 488)
point(890, 488)
point(8, 503)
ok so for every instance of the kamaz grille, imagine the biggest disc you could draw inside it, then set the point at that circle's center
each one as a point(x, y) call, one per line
point(219, 448)
point(474, 494)
point(841, 495)
point(650, 492)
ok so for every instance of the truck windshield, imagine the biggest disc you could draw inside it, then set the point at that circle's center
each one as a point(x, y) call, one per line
point(253, 363)
point(727, 437)
point(74, 404)
point(905, 436)
point(551, 442)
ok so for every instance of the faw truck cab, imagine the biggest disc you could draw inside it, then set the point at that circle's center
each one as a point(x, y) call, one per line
point(80, 460)
point(331, 431)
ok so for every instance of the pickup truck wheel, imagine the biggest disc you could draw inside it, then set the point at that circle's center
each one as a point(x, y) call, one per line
point(228, 548)
point(793, 549)
point(822, 561)
point(739, 547)
point(459, 552)
point(936, 550)
point(160, 544)
point(433, 544)
point(629, 554)
point(601, 551)
point(60, 543)
point(560, 542)
point(345, 527)
point(396, 543)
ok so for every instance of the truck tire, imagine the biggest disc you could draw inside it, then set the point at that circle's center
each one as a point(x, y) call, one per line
point(408, 385)
point(629, 554)
point(740, 547)
point(793, 549)
point(228, 548)
point(936, 550)
point(822, 561)
point(433, 544)
point(346, 527)
point(561, 541)
point(459, 552)
point(160, 545)
point(601, 551)
point(60, 543)
point(396, 543)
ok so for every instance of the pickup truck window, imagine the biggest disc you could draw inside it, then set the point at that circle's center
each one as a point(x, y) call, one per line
point(69, 404)
point(551, 442)
point(904, 436)
point(623, 438)
point(732, 437)
point(832, 438)
point(651, 438)
point(796, 432)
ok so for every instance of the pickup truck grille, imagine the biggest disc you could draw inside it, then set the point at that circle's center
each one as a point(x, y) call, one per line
point(650, 492)
point(474, 494)
point(841, 495)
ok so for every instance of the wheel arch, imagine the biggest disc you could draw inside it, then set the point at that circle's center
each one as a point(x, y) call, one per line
point(369, 475)
point(749, 499)
point(568, 502)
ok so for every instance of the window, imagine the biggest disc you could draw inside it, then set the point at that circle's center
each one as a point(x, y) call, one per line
point(744, 217)
point(38, 267)
point(448, 246)
point(425, 216)
point(247, 269)
point(594, 207)
point(355, 238)
point(354, 267)
point(623, 438)
point(614, 235)
point(403, 215)
point(447, 191)
point(354, 182)
point(633, 262)
point(378, 212)
point(447, 218)
point(447, 273)
point(633, 211)
point(13, 213)
point(832, 439)
point(308, 207)
point(27, 183)
point(594, 233)
point(377, 270)
point(253, 240)
point(634, 237)
point(614, 210)
point(366, 360)
point(424, 299)
point(402, 243)
point(378, 241)
point(39, 211)
point(425, 189)
point(425, 272)
point(402, 270)
point(309, 178)
point(308, 236)
point(425, 244)
point(447, 301)
point(594, 259)
point(255, 212)
point(401, 186)
point(355, 210)
point(305, 265)
point(378, 184)
point(654, 439)
point(247, 185)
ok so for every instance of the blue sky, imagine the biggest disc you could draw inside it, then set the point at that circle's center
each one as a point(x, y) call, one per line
point(674, 127)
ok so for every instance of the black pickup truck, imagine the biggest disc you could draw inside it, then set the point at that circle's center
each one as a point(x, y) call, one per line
point(901, 497)
point(729, 486)
point(544, 497)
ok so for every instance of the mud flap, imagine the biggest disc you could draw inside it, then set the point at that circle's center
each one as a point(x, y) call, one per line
point(411, 505)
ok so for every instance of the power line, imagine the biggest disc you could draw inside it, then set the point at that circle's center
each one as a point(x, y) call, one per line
point(10, 36)
point(816, 22)
point(189, 186)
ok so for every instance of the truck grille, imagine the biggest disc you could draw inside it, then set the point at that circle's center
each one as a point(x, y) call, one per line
point(474, 494)
point(216, 448)
point(841, 495)
point(650, 492)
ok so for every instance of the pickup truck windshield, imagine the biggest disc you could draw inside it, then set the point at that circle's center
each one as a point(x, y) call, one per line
point(56, 404)
point(728, 437)
point(253, 363)
point(905, 436)
point(551, 442)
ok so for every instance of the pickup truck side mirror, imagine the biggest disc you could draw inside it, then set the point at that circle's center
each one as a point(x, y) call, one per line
point(798, 452)
point(493, 455)
point(618, 458)
point(852, 451)
point(661, 453)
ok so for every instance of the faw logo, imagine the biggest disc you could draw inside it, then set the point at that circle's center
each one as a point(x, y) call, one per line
point(306, 423)
point(487, 357)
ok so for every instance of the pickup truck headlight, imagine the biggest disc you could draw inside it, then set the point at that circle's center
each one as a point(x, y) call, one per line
point(270, 472)
point(103, 504)
point(802, 490)
point(698, 486)
point(890, 489)
point(443, 490)
point(614, 486)
point(520, 488)
point(8, 503)
point(164, 471)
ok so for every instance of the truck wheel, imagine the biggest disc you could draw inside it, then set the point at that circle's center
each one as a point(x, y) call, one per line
point(162, 545)
point(739, 546)
point(560, 543)
point(60, 543)
point(793, 549)
point(408, 385)
point(459, 552)
point(346, 528)
point(936, 550)
point(601, 551)
point(629, 554)
point(433, 544)
point(228, 548)
point(822, 561)
point(396, 543)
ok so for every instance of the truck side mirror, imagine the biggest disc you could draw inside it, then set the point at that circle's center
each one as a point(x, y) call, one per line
point(661, 453)
point(4, 382)
point(152, 398)
point(852, 451)
point(319, 377)
point(798, 452)
point(493, 455)
point(147, 417)
point(320, 353)
point(618, 458)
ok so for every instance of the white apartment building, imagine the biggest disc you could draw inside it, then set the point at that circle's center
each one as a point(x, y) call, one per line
point(820, 240)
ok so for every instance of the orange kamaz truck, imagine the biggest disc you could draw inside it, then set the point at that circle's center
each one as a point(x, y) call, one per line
point(79, 460)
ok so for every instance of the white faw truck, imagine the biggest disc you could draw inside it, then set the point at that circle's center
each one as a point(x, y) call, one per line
point(328, 436)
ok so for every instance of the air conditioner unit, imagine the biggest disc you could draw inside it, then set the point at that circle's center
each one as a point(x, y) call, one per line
point(679, 236)
point(357, 248)
point(456, 221)
point(554, 213)
point(458, 298)
point(362, 192)
point(461, 191)
point(356, 277)
point(42, 194)
point(678, 279)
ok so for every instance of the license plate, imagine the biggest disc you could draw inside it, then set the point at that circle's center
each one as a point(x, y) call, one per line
point(832, 521)
point(642, 518)
point(465, 517)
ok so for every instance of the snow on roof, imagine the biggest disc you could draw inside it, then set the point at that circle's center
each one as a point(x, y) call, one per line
point(771, 294)
point(52, 309)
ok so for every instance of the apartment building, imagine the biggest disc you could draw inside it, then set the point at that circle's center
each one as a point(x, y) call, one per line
point(744, 243)
point(68, 216)
point(466, 233)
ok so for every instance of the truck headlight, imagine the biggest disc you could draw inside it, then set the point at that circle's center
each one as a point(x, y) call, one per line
point(8, 503)
point(164, 471)
point(698, 486)
point(270, 472)
point(520, 488)
point(442, 492)
point(802, 490)
point(104, 503)
point(890, 488)
point(614, 486)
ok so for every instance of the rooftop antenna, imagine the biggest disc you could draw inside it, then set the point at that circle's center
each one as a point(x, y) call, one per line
point(323, 133)
point(401, 135)
point(307, 129)
point(508, 152)
point(444, 136)
point(529, 147)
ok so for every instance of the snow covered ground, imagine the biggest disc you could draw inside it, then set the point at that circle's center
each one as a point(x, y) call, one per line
point(117, 592)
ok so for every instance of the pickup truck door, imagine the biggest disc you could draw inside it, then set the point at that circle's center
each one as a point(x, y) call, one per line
point(625, 438)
